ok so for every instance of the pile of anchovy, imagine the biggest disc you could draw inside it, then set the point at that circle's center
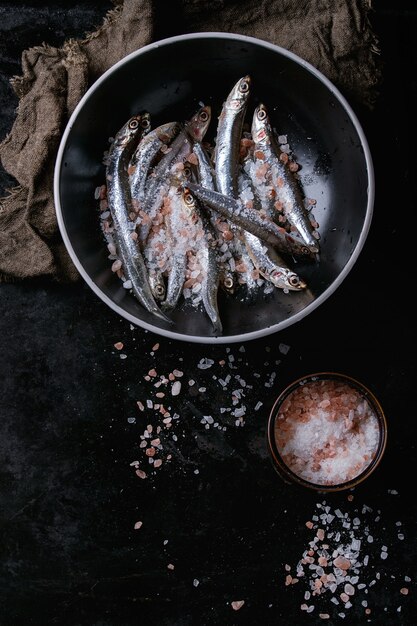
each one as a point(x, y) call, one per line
point(185, 218)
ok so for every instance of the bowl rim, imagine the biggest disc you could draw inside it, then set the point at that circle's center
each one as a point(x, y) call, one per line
point(291, 477)
point(273, 328)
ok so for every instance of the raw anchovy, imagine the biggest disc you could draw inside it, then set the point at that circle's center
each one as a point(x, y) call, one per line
point(207, 180)
point(265, 258)
point(177, 237)
point(251, 220)
point(145, 154)
point(288, 196)
point(194, 130)
point(207, 256)
point(156, 255)
point(120, 205)
point(226, 154)
point(271, 266)
point(229, 131)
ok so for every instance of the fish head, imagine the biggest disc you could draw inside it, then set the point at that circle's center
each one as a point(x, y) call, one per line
point(228, 282)
point(130, 131)
point(301, 249)
point(190, 172)
point(261, 127)
point(239, 95)
point(158, 287)
point(189, 204)
point(287, 279)
point(197, 126)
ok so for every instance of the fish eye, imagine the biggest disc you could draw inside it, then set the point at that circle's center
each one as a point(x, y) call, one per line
point(261, 114)
point(244, 86)
point(294, 280)
point(188, 198)
point(145, 122)
point(187, 172)
point(160, 291)
point(204, 116)
point(133, 124)
point(305, 250)
point(228, 282)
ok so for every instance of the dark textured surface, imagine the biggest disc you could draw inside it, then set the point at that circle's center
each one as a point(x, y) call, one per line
point(69, 498)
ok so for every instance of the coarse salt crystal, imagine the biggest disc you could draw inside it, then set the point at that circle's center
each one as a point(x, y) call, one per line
point(138, 525)
point(237, 604)
point(116, 265)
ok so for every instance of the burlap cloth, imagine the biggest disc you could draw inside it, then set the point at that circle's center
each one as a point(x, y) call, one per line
point(334, 35)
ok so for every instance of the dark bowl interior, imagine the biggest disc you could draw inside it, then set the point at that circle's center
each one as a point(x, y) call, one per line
point(169, 80)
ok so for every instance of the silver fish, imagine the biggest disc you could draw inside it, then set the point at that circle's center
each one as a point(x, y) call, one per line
point(156, 255)
point(286, 187)
point(181, 147)
point(229, 131)
point(120, 206)
point(207, 257)
point(251, 220)
point(144, 156)
point(207, 180)
point(265, 258)
point(177, 239)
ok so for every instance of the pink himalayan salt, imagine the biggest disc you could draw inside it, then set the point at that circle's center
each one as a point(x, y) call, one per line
point(326, 432)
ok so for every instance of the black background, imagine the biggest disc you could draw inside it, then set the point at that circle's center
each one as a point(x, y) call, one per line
point(69, 498)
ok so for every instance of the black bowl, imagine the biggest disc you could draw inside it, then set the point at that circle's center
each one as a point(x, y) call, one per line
point(169, 78)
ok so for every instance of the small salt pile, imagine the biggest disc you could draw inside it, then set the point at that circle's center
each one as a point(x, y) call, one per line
point(335, 566)
point(327, 432)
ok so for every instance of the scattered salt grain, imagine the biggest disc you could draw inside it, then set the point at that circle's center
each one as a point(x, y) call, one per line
point(237, 604)
point(118, 345)
point(404, 591)
point(123, 356)
point(170, 566)
point(205, 363)
point(196, 582)
point(138, 525)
